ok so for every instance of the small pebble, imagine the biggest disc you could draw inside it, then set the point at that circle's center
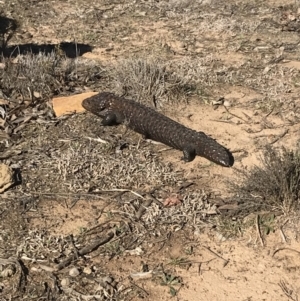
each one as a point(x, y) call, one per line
point(65, 282)
point(74, 272)
point(36, 94)
point(107, 279)
point(220, 237)
point(226, 104)
point(142, 275)
point(87, 270)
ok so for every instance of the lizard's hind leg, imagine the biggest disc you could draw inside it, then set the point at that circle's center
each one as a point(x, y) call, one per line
point(189, 154)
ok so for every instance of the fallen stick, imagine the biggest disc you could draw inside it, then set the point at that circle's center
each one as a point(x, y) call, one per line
point(85, 250)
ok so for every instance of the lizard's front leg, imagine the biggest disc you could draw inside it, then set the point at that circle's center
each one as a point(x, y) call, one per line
point(109, 119)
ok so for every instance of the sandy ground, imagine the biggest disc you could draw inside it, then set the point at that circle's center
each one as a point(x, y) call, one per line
point(244, 268)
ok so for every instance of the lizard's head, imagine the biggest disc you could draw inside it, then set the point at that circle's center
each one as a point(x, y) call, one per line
point(98, 103)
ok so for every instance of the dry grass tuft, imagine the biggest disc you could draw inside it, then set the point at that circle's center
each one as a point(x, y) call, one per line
point(275, 186)
point(190, 212)
point(41, 253)
point(194, 208)
point(92, 166)
point(77, 162)
point(148, 79)
point(43, 75)
point(265, 192)
point(201, 72)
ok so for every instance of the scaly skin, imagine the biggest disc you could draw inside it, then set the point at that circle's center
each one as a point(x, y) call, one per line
point(153, 125)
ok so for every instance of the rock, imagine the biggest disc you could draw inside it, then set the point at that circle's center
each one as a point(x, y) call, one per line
point(6, 177)
point(74, 272)
point(65, 282)
point(227, 104)
point(220, 237)
point(37, 94)
point(87, 270)
point(70, 104)
point(107, 279)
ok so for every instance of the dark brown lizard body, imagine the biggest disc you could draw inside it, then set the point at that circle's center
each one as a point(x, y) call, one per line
point(153, 125)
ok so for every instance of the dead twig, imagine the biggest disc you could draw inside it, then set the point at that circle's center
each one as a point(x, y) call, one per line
point(258, 231)
point(271, 111)
point(281, 231)
point(240, 150)
point(202, 262)
point(121, 190)
point(139, 288)
point(71, 240)
point(199, 268)
point(226, 261)
point(64, 194)
point(283, 249)
point(97, 140)
point(185, 185)
point(279, 137)
point(85, 250)
point(247, 116)
point(165, 149)
point(168, 236)
point(235, 115)
point(282, 235)
point(287, 291)
point(223, 121)
point(143, 207)
point(87, 194)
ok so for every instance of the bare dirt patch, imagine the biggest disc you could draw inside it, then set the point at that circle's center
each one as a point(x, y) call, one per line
point(100, 213)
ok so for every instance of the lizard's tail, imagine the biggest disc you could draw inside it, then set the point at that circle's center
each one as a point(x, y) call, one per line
point(215, 152)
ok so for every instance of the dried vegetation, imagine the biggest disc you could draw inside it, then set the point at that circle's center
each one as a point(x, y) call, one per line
point(64, 159)
point(149, 80)
point(275, 185)
point(43, 75)
point(263, 193)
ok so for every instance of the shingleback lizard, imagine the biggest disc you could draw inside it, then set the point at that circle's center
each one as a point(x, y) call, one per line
point(153, 125)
